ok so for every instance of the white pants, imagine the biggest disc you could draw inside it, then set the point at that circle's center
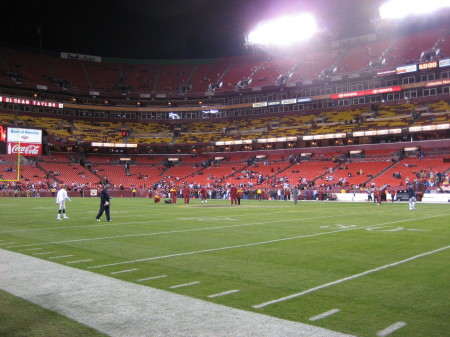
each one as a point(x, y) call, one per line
point(62, 205)
point(412, 203)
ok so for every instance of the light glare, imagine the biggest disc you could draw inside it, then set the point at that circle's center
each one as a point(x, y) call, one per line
point(397, 9)
point(284, 31)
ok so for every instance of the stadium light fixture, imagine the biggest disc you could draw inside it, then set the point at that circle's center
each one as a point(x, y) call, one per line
point(283, 31)
point(398, 9)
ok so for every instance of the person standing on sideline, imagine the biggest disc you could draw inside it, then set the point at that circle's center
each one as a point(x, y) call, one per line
point(412, 198)
point(104, 204)
point(295, 194)
point(239, 194)
point(186, 194)
point(173, 194)
point(204, 194)
point(259, 194)
point(61, 198)
point(233, 191)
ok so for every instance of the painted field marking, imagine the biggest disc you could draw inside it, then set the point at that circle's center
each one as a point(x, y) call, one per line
point(123, 271)
point(282, 299)
point(181, 231)
point(325, 314)
point(184, 285)
point(224, 293)
point(171, 220)
point(59, 257)
point(177, 231)
point(7, 243)
point(79, 261)
point(43, 253)
point(390, 329)
point(29, 249)
point(253, 244)
point(152, 278)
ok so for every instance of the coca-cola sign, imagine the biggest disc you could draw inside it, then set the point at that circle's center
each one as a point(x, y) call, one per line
point(25, 149)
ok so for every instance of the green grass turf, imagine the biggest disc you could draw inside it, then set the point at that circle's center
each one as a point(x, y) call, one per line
point(266, 250)
point(20, 318)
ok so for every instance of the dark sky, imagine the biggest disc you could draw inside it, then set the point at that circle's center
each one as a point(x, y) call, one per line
point(175, 29)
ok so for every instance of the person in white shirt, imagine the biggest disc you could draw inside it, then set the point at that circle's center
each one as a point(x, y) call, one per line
point(61, 198)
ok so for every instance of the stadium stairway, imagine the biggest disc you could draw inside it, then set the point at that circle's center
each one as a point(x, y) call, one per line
point(380, 173)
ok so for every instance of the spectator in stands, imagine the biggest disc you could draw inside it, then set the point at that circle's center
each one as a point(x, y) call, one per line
point(104, 204)
point(61, 198)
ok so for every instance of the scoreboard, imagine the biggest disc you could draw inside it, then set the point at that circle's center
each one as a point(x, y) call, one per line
point(25, 141)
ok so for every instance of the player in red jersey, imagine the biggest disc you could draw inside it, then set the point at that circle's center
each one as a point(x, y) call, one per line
point(203, 194)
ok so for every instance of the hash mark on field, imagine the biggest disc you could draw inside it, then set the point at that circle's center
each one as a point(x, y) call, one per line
point(390, 329)
point(23, 250)
point(184, 285)
point(347, 278)
point(325, 314)
point(123, 271)
point(59, 257)
point(44, 253)
point(151, 278)
point(224, 293)
point(79, 261)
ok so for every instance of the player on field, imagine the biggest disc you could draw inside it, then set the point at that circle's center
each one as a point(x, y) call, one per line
point(61, 198)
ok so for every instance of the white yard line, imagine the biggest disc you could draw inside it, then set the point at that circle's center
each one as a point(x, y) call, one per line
point(258, 243)
point(168, 220)
point(123, 271)
point(151, 278)
point(224, 293)
point(184, 285)
point(391, 329)
point(59, 257)
point(43, 253)
point(325, 314)
point(29, 249)
point(282, 299)
point(178, 231)
point(79, 261)
point(118, 308)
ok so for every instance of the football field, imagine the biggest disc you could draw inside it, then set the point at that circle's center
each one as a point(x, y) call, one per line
point(356, 268)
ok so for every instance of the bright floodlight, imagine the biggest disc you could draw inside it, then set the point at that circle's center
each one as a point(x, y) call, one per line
point(284, 31)
point(397, 9)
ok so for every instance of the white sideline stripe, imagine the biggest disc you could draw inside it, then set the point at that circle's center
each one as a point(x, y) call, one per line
point(323, 315)
point(59, 257)
point(43, 253)
point(178, 231)
point(185, 285)
point(391, 329)
point(257, 243)
point(151, 278)
point(24, 250)
point(79, 261)
point(118, 308)
point(123, 271)
point(224, 293)
point(348, 278)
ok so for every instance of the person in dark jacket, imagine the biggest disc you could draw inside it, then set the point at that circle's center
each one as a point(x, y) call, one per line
point(104, 204)
point(412, 197)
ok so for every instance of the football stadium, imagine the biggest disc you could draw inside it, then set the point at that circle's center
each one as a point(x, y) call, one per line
point(294, 185)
